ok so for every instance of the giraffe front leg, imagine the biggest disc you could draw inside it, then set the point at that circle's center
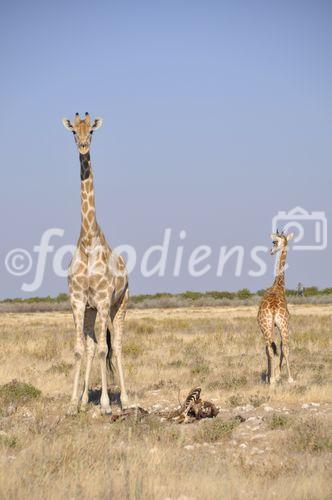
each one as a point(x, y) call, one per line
point(78, 313)
point(90, 347)
point(89, 323)
point(105, 406)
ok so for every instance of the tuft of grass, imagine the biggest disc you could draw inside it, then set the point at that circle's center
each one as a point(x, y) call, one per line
point(132, 348)
point(312, 435)
point(278, 421)
point(299, 389)
point(177, 363)
point(143, 328)
point(210, 431)
point(258, 399)
point(60, 368)
point(228, 383)
point(150, 430)
point(192, 351)
point(201, 368)
point(16, 392)
point(236, 400)
point(48, 350)
point(8, 441)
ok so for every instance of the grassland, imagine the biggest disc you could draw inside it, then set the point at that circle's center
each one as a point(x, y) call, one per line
point(281, 449)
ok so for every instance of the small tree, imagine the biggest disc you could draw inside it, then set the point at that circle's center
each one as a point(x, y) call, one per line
point(244, 293)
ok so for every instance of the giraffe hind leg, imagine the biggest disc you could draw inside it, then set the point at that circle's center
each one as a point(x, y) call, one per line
point(103, 312)
point(271, 349)
point(118, 313)
point(284, 346)
point(281, 355)
point(277, 368)
point(285, 352)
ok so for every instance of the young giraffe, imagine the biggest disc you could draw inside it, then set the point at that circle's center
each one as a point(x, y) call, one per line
point(273, 312)
point(98, 282)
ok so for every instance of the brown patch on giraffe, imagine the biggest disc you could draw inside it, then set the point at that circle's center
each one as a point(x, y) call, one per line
point(80, 268)
point(120, 263)
point(120, 282)
point(80, 281)
point(91, 216)
point(103, 284)
point(94, 281)
point(104, 257)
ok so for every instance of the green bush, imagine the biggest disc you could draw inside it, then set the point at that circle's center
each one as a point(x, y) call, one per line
point(214, 430)
point(191, 295)
point(244, 293)
point(311, 290)
point(220, 295)
point(16, 392)
point(278, 421)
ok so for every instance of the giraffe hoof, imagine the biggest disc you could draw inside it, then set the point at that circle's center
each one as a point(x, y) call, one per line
point(105, 410)
point(72, 410)
point(290, 380)
point(124, 402)
point(84, 407)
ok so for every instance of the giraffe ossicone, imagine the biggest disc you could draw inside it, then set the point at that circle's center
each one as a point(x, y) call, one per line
point(273, 312)
point(98, 283)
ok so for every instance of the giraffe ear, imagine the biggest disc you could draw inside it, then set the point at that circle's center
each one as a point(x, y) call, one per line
point(97, 123)
point(67, 124)
point(273, 236)
point(290, 236)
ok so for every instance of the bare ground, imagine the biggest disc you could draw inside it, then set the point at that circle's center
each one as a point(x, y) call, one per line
point(281, 448)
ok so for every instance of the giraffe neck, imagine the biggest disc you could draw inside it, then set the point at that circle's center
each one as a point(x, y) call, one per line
point(279, 281)
point(89, 226)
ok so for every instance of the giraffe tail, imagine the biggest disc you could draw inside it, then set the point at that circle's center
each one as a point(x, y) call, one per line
point(275, 349)
point(109, 362)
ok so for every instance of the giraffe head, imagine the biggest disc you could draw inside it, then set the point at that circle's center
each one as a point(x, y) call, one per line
point(82, 130)
point(280, 241)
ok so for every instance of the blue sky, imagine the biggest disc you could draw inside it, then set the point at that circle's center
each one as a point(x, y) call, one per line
point(217, 115)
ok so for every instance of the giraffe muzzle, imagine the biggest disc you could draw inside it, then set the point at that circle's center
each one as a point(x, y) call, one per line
point(83, 148)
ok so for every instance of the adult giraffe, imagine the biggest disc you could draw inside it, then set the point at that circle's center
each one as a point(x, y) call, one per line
point(273, 312)
point(98, 282)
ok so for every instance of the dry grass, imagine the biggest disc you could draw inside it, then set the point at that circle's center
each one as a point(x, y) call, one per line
point(283, 450)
